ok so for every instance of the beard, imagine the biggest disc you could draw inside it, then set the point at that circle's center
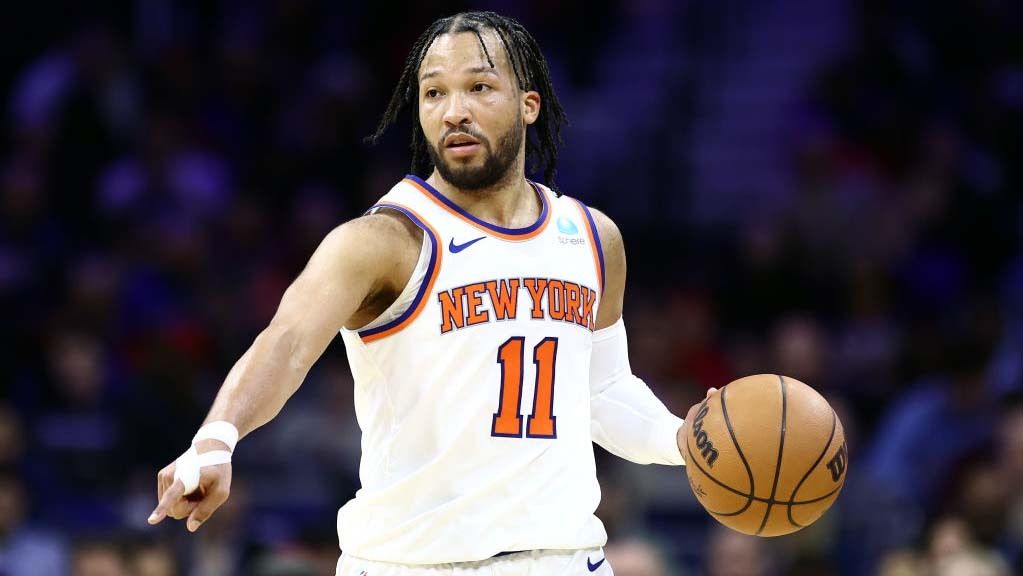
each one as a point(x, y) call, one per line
point(496, 164)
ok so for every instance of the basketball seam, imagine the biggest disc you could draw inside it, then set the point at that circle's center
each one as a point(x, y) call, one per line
point(755, 498)
point(735, 442)
point(781, 451)
point(834, 426)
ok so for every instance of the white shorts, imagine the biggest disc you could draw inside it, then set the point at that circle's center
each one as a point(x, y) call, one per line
point(586, 562)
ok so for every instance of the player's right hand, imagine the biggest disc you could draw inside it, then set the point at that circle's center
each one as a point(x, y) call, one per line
point(213, 490)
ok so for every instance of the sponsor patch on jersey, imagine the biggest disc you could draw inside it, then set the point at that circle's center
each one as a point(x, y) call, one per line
point(566, 226)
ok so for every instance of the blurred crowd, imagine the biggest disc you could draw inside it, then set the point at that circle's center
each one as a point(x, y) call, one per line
point(167, 168)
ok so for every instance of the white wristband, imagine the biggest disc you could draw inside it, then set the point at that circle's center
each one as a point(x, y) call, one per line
point(220, 430)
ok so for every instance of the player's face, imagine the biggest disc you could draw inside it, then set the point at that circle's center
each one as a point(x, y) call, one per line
point(474, 116)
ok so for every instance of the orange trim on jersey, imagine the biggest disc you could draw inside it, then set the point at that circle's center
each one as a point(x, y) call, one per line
point(494, 230)
point(595, 247)
point(438, 250)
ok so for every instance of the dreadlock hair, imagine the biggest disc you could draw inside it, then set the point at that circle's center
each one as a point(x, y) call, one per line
point(530, 70)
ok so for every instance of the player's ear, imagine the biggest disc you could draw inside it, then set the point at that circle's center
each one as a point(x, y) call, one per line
point(530, 106)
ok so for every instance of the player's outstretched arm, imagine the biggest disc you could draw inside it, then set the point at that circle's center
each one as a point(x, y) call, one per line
point(627, 419)
point(354, 262)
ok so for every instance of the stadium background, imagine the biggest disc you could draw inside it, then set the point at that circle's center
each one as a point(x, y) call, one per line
point(826, 189)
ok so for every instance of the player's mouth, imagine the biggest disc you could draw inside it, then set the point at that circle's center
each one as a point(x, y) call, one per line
point(461, 144)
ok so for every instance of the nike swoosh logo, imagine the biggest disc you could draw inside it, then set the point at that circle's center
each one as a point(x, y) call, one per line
point(593, 567)
point(456, 248)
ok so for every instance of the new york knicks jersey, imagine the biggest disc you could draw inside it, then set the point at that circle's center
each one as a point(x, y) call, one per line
point(472, 389)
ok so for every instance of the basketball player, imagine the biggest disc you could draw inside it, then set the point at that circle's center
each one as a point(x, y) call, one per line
point(481, 313)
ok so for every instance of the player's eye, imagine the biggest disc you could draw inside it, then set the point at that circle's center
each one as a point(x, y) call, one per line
point(480, 87)
point(432, 93)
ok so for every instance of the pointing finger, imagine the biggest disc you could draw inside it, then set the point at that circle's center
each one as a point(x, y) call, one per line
point(161, 487)
point(171, 496)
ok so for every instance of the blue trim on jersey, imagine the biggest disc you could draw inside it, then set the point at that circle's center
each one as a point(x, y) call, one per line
point(447, 202)
point(596, 238)
point(429, 271)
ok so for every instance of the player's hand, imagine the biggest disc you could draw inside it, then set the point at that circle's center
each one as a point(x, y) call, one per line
point(683, 430)
point(213, 490)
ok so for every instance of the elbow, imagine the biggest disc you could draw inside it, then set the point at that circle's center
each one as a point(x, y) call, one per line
point(290, 345)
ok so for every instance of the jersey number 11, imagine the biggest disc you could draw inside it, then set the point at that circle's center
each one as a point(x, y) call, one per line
point(508, 420)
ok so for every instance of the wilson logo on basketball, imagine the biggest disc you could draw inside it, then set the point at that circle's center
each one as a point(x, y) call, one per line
point(837, 464)
point(707, 450)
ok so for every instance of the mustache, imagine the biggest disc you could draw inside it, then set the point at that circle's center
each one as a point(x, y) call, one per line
point(463, 130)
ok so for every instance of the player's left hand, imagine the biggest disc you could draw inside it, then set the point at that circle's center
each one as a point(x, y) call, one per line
point(683, 430)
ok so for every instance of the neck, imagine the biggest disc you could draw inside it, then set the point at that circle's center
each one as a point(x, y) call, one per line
point(510, 203)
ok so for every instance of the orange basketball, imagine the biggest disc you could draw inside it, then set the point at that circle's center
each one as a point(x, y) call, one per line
point(766, 455)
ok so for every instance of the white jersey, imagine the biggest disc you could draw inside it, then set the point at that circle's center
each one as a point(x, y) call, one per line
point(472, 390)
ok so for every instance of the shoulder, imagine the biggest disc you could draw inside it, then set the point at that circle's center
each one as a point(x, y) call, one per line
point(380, 245)
point(384, 230)
point(610, 236)
point(386, 226)
point(613, 250)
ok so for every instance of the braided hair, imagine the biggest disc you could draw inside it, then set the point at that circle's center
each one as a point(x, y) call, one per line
point(530, 70)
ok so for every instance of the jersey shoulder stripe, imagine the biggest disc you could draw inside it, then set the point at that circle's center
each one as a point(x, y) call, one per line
point(437, 254)
point(595, 245)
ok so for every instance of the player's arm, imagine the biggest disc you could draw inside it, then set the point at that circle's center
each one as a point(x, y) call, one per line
point(354, 263)
point(627, 419)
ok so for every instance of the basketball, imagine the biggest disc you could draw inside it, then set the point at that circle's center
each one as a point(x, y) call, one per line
point(765, 455)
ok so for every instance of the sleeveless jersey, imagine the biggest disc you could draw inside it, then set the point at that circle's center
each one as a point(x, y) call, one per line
point(472, 390)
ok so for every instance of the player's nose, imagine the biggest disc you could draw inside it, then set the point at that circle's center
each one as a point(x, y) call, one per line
point(457, 112)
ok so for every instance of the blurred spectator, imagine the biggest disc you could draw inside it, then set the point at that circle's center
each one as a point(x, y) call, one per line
point(12, 445)
point(634, 557)
point(24, 550)
point(1010, 458)
point(697, 354)
point(867, 347)
point(901, 563)
point(801, 349)
point(954, 551)
point(933, 427)
point(221, 549)
point(98, 557)
point(982, 501)
point(949, 537)
point(153, 558)
point(79, 432)
point(730, 553)
point(972, 564)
